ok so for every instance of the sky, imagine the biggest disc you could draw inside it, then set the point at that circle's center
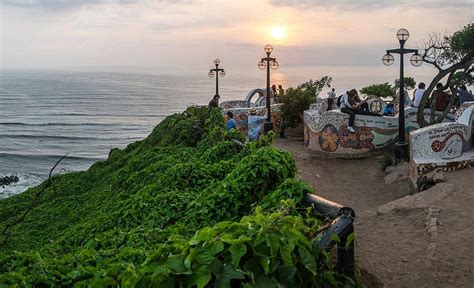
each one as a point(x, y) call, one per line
point(187, 34)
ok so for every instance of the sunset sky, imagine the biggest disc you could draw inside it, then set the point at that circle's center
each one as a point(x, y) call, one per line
point(188, 33)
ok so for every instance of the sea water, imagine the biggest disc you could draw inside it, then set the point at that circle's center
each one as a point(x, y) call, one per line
point(46, 114)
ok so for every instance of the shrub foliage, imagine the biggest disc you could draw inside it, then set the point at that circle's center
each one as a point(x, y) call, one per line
point(185, 207)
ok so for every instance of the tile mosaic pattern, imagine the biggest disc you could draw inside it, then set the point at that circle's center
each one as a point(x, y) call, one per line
point(326, 131)
point(443, 145)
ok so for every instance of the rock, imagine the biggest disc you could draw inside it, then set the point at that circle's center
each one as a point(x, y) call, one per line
point(438, 177)
point(394, 177)
point(425, 199)
point(7, 180)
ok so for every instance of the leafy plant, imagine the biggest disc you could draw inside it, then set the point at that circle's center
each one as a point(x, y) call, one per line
point(170, 211)
point(296, 100)
point(386, 160)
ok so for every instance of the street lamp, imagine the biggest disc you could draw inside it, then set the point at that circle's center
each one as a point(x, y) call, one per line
point(401, 147)
point(219, 72)
point(268, 63)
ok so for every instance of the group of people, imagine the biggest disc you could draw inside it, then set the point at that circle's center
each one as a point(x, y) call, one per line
point(254, 122)
point(351, 104)
point(277, 93)
point(440, 98)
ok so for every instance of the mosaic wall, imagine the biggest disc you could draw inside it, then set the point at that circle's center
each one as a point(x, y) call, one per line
point(326, 131)
point(445, 145)
point(233, 104)
point(241, 115)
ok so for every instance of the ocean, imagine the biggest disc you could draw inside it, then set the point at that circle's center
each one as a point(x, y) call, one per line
point(45, 114)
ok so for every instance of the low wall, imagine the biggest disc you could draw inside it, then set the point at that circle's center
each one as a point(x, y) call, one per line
point(444, 146)
point(326, 131)
point(233, 104)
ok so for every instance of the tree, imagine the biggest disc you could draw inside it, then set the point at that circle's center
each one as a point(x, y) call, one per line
point(409, 82)
point(296, 100)
point(450, 55)
point(386, 90)
point(379, 90)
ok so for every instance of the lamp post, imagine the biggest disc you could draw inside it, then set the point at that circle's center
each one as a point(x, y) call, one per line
point(401, 147)
point(219, 72)
point(268, 62)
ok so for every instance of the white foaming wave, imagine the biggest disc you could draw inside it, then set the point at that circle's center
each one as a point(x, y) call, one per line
point(25, 181)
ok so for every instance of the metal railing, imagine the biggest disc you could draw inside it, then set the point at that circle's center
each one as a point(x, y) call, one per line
point(342, 225)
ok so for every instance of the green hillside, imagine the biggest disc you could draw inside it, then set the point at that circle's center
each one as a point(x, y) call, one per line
point(186, 207)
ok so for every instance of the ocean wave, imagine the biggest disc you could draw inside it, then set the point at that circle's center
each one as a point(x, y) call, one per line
point(66, 124)
point(71, 138)
point(25, 181)
point(49, 157)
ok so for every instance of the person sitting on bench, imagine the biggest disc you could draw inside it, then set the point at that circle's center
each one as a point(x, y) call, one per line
point(352, 105)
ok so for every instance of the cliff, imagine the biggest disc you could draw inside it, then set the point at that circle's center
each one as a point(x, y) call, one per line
point(184, 207)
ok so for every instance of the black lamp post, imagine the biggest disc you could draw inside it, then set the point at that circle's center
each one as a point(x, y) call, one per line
point(268, 63)
point(219, 72)
point(401, 147)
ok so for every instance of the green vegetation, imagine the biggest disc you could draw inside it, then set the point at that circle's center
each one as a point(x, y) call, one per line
point(386, 90)
point(453, 57)
point(296, 100)
point(379, 90)
point(461, 78)
point(408, 82)
point(386, 160)
point(185, 207)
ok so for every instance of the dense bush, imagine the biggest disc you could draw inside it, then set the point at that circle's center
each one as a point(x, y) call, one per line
point(170, 211)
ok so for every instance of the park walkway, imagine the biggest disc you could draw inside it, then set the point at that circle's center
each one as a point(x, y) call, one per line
point(422, 240)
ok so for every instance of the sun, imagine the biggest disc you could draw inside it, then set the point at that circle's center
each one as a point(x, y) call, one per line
point(278, 32)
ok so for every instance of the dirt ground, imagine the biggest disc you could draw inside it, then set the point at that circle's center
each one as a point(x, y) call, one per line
point(421, 240)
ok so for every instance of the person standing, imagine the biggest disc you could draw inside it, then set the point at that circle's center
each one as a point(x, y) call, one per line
point(231, 123)
point(331, 97)
point(254, 124)
point(214, 102)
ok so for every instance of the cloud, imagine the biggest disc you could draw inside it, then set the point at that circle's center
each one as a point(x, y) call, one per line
point(68, 4)
point(371, 4)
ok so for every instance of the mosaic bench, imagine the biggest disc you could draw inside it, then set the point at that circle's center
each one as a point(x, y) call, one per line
point(326, 133)
point(443, 146)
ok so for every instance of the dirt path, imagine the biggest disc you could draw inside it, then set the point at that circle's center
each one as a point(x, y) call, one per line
point(422, 240)
point(357, 183)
